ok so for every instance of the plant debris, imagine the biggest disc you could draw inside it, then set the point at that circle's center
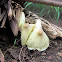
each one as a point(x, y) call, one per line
point(1, 56)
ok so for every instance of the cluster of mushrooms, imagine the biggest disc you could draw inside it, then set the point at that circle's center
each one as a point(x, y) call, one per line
point(33, 35)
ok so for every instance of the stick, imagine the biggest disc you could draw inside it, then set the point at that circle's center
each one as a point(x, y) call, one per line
point(47, 2)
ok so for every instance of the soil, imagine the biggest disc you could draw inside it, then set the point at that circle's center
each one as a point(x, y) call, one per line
point(18, 53)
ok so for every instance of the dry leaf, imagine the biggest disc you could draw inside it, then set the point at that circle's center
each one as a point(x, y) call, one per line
point(14, 27)
point(1, 56)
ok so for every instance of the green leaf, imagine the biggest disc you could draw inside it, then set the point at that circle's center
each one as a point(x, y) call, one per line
point(42, 11)
point(52, 7)
point(15, 42)
point(48, 11)
point(28, 4)
point(25, 3)
point(58, 14)
point(60, 8)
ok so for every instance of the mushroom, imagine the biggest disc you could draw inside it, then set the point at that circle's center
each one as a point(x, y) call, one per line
point(25, 28)
point(38, 39)
point(33, 35)
point(26, 32)
point(21, 21)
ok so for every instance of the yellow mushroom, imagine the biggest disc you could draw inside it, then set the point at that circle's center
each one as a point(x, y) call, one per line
point(38, 40)
point(33, 35)
point(25, 32)
point(21, 20)
point(25, 28)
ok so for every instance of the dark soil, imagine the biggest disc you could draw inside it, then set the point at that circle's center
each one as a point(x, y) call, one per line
point(18, 53)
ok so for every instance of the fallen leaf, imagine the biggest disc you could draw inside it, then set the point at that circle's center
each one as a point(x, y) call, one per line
point(14, 60)
point(1, 56)
point(14, 52)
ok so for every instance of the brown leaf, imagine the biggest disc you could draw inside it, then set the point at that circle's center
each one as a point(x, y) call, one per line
point(14, 60)
point(18, 11)
point(14, 27)
point(4, 20)
point(14, 12)
point(2, 15)
point(1, 56)
point(15, 52)
point(9, 10)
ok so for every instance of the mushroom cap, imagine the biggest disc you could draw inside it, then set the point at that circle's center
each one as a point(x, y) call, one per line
point(36, 41)
point(25, 32)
